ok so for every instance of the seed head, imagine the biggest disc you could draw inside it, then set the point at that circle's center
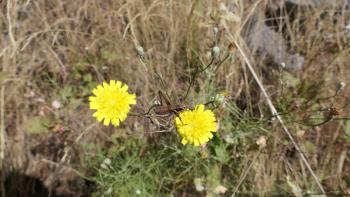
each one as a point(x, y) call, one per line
point(216, 51)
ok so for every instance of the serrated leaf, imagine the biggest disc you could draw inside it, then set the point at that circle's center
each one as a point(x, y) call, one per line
point(221, 153)
point(66, 92)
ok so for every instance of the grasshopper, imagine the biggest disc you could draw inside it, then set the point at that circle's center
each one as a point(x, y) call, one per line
point(168, 109)
point(164, 110)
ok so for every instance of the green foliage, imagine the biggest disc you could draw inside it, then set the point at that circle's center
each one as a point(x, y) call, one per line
point(4, 76)
point(290, 80)
point(157, 172)
point(346, 128)
point(66, 60)
point(108, 55)
point(309, 89)
point(37, 125)
point(136, 167)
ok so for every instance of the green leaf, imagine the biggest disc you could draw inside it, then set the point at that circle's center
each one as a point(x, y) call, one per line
point(87, 77)
point(346, 127)
point(213, 180)
point(75, 103)
point(4, 76)
point(109, 56)
point(290, 80)
point(66, 92)
point(221, 153)
point(308, 147)
point(37, 125)
point(295, 188)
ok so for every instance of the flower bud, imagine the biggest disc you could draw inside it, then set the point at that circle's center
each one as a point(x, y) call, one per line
point(231, 47)
point(216, 51)
point(219, 99)
point(156, 103)
point(261, 142)
point(340, 87)
point(215, 31)
point(283, 65)
point(107, 161)
point(140, 51)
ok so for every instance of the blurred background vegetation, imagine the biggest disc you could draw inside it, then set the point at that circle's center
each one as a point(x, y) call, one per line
point(53, 53)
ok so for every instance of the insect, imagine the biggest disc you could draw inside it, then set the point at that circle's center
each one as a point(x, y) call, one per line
point(168, 109)
point(163, 112)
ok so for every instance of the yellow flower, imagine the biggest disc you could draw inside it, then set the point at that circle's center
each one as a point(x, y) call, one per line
point(196, 126)
point(111, 102)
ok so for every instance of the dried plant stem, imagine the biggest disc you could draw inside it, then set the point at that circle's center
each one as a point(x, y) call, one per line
point(9, 7)
point(2, 126)
point(66, 152)
point(245, 173)
point(2, 139)
point(131, 26)
point(272, 107)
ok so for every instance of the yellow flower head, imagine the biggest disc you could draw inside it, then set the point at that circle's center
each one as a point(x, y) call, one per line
point(111, 102)
point(196, 126)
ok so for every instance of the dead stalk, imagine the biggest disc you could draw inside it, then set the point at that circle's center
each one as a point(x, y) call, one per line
point(2, 138)
point(272, 107)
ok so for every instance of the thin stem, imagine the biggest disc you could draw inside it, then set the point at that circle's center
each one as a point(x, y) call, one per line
point(245, 173)
point(273, 109)
point(193, 78)
point(219, 65)
point(2, 139)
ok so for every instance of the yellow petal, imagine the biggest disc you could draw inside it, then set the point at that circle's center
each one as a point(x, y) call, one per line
point(100, 88)
point(94, 105)
point(124, 88)
point(196, 142)
point(115, 122)
point(209, 135)
point(132, 99)
point(111, 102)
point(112, 83)
point(95, 114)
point(100, 117)
point(118, 84)
point(95, 91)
point(106, 121)
point(200, 108)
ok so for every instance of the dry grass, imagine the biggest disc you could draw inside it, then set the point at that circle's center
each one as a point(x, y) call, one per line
point(59, 50)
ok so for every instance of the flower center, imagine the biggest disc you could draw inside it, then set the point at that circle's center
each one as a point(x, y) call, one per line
point(112, 102)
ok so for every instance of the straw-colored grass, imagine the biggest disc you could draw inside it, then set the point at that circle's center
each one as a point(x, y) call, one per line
point(55, 52)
